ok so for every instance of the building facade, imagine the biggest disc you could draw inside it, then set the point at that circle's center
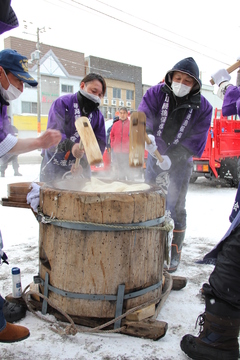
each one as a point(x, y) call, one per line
point(124, 84)
point(60, 71)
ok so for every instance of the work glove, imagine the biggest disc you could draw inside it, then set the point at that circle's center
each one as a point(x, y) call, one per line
point(33, 197)
point(221, 76)
point(65, 145)
point(151, 148)
point(166, 164)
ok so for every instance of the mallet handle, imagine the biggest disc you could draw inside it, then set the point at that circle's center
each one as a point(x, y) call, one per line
point(156, 152)
point(78, 159)
point(229, 70)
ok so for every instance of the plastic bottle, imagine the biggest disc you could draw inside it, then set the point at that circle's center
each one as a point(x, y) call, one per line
point(16, 283)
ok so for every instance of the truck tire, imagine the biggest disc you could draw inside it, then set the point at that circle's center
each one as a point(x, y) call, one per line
point(193, 179)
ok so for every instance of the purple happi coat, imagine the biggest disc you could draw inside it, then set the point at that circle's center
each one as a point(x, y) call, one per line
point(62, 115)
point(194, 130)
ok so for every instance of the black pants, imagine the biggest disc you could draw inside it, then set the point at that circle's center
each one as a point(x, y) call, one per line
point(225, 279)
point(15, 165)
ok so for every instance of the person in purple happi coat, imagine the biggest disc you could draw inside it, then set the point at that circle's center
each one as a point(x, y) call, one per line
point(13, 73)
point(178, 120)
point(62, 116)
point(220, 323)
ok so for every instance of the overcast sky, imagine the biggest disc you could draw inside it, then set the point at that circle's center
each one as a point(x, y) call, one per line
point(152, 34)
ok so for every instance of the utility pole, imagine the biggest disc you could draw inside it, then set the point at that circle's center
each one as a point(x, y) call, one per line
point(35, 56)
point(39, 85)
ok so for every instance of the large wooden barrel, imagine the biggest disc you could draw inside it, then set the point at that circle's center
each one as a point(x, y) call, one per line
point(97, 262)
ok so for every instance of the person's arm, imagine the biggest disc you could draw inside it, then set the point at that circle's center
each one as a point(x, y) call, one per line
point(49, 138)
point(231, 101)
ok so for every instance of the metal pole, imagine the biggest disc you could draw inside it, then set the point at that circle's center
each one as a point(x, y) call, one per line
point(38, 88)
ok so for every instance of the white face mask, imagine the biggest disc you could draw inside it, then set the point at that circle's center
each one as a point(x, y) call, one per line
point(94, 98)
point(11, 93)
point(179, 89)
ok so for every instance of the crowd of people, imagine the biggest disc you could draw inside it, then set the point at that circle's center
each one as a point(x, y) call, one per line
point(178, 118)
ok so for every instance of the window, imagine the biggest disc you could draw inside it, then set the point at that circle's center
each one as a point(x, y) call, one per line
point(104, 111)
point(112, 112)
point(29, 107)
point(116, 93)
point(67, 88)
point(129, 94)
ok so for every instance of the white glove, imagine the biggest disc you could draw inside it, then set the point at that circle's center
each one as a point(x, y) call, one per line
point(221, 76)
point(33, 196)
point(166, 164)
point(151, 148)
point(222, 89)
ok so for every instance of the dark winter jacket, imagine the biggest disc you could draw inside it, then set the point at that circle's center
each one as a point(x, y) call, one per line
point(120, 136)
point(109, 132)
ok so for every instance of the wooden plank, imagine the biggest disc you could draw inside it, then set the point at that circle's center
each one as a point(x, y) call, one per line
point(179, 282)
point(166, 291)
point(6, 202)
point(88, 138)
point(146, 329)
point(142, 313)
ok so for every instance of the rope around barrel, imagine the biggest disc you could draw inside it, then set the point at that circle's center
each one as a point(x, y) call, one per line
point(51, 220)
point(73, 329)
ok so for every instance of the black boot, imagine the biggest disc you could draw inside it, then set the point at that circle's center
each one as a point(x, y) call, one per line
point(219, 330)
point(177, 242)
point(13, 312)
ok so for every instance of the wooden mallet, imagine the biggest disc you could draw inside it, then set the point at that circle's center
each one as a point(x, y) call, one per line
point(229, 70)
point(137, 138)
point(88, 141)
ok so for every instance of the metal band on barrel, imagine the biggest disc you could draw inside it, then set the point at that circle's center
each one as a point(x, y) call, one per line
point(73, 295)
point(87, 226)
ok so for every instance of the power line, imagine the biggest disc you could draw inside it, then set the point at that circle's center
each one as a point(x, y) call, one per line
point(76, 3)
point(144, 30)
point(159, 27)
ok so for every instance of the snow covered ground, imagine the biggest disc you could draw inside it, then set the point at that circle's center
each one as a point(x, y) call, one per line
point(208, 206)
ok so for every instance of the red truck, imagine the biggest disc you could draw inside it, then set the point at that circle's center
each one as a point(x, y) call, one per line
point(221, 156)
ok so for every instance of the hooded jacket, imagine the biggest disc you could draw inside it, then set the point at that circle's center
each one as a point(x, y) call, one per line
point(180, 125)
